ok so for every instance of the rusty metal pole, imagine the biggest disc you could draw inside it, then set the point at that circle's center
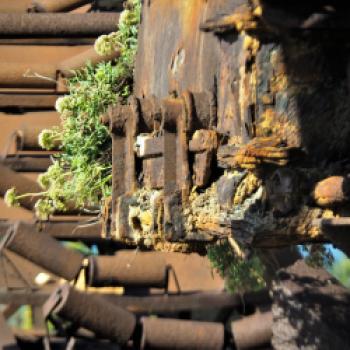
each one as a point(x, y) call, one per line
point(68, 66)
point(57, 24)
point(31, 163)
point(252, 331)
point(25, 75)
point(162, 334)
point(57, 6)
point(44, 251)
point(9, 179)
point(128, 269)
point(10, 6)
point(91, 312)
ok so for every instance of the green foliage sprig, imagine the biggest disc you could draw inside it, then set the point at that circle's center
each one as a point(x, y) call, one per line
point(80, 176)
point(240, 274)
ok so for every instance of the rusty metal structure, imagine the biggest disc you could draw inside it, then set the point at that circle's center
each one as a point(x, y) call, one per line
point(225, 133)
point(237, 129)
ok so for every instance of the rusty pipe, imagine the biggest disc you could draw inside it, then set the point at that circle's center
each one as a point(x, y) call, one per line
point(68, 66)
point(252, 331)
point(27, 75)
point(11, 6)
point(129, 269)
point(92, 312)
point(45, 251)
point(9, 179)
point(61, 25)
point(163, 333)
point(57, 6)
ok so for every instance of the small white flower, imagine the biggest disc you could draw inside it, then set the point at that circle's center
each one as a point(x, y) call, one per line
point(10, 198)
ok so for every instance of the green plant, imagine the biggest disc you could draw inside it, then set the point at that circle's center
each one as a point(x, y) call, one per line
point(240, 274)
point(80, 176)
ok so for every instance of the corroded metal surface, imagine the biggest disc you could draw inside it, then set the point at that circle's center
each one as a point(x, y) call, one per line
point(60, 25)
point(234, 126)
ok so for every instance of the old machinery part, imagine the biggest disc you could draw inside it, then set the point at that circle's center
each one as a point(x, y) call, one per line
point(252, 331)
point(162, 333)
point(56, 6)
point(44, 251)
point(44, 25)
point(24, 75)
point(68, 66)
point(32, 163)
point(128, 269)
point(91, 312)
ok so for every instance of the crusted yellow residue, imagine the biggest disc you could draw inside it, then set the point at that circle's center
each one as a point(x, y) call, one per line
point(246, 188)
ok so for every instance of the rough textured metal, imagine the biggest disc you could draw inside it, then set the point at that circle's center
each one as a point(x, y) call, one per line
point(56, 6)
point(28, 163)
point(18, 6)
point(162, 333)
point(22, 101)
point(24, 75)
point(92, 312)
point(252, 331)
point(79, 61)
point(45, 251)
point(57, 25)
point(128, 269)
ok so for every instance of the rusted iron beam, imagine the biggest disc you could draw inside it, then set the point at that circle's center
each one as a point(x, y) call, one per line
point(44, 251)
point(252, 331)
point(68, 66)
point(24, 75)
point(57, 6)
point(57, 25)
point(48, 41)
point(9, 179)
point(162, 333)
point(18, 6)
point(27, 101)
point(156, 304)
point(28, 163)
point(128, 269)
point(91, 312)
point(62, 230)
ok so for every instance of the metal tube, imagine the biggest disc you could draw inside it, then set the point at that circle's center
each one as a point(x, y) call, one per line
point(24, 75)
point(9, 179)
point(27, 101)
point(11, 6)
point(28, 163)
point(57, 6)
point(252, 331)
point(45, 251)
point(91, 312)
point(162, 334)
point(57, 25)
point(129, 269)
point(68, 66)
